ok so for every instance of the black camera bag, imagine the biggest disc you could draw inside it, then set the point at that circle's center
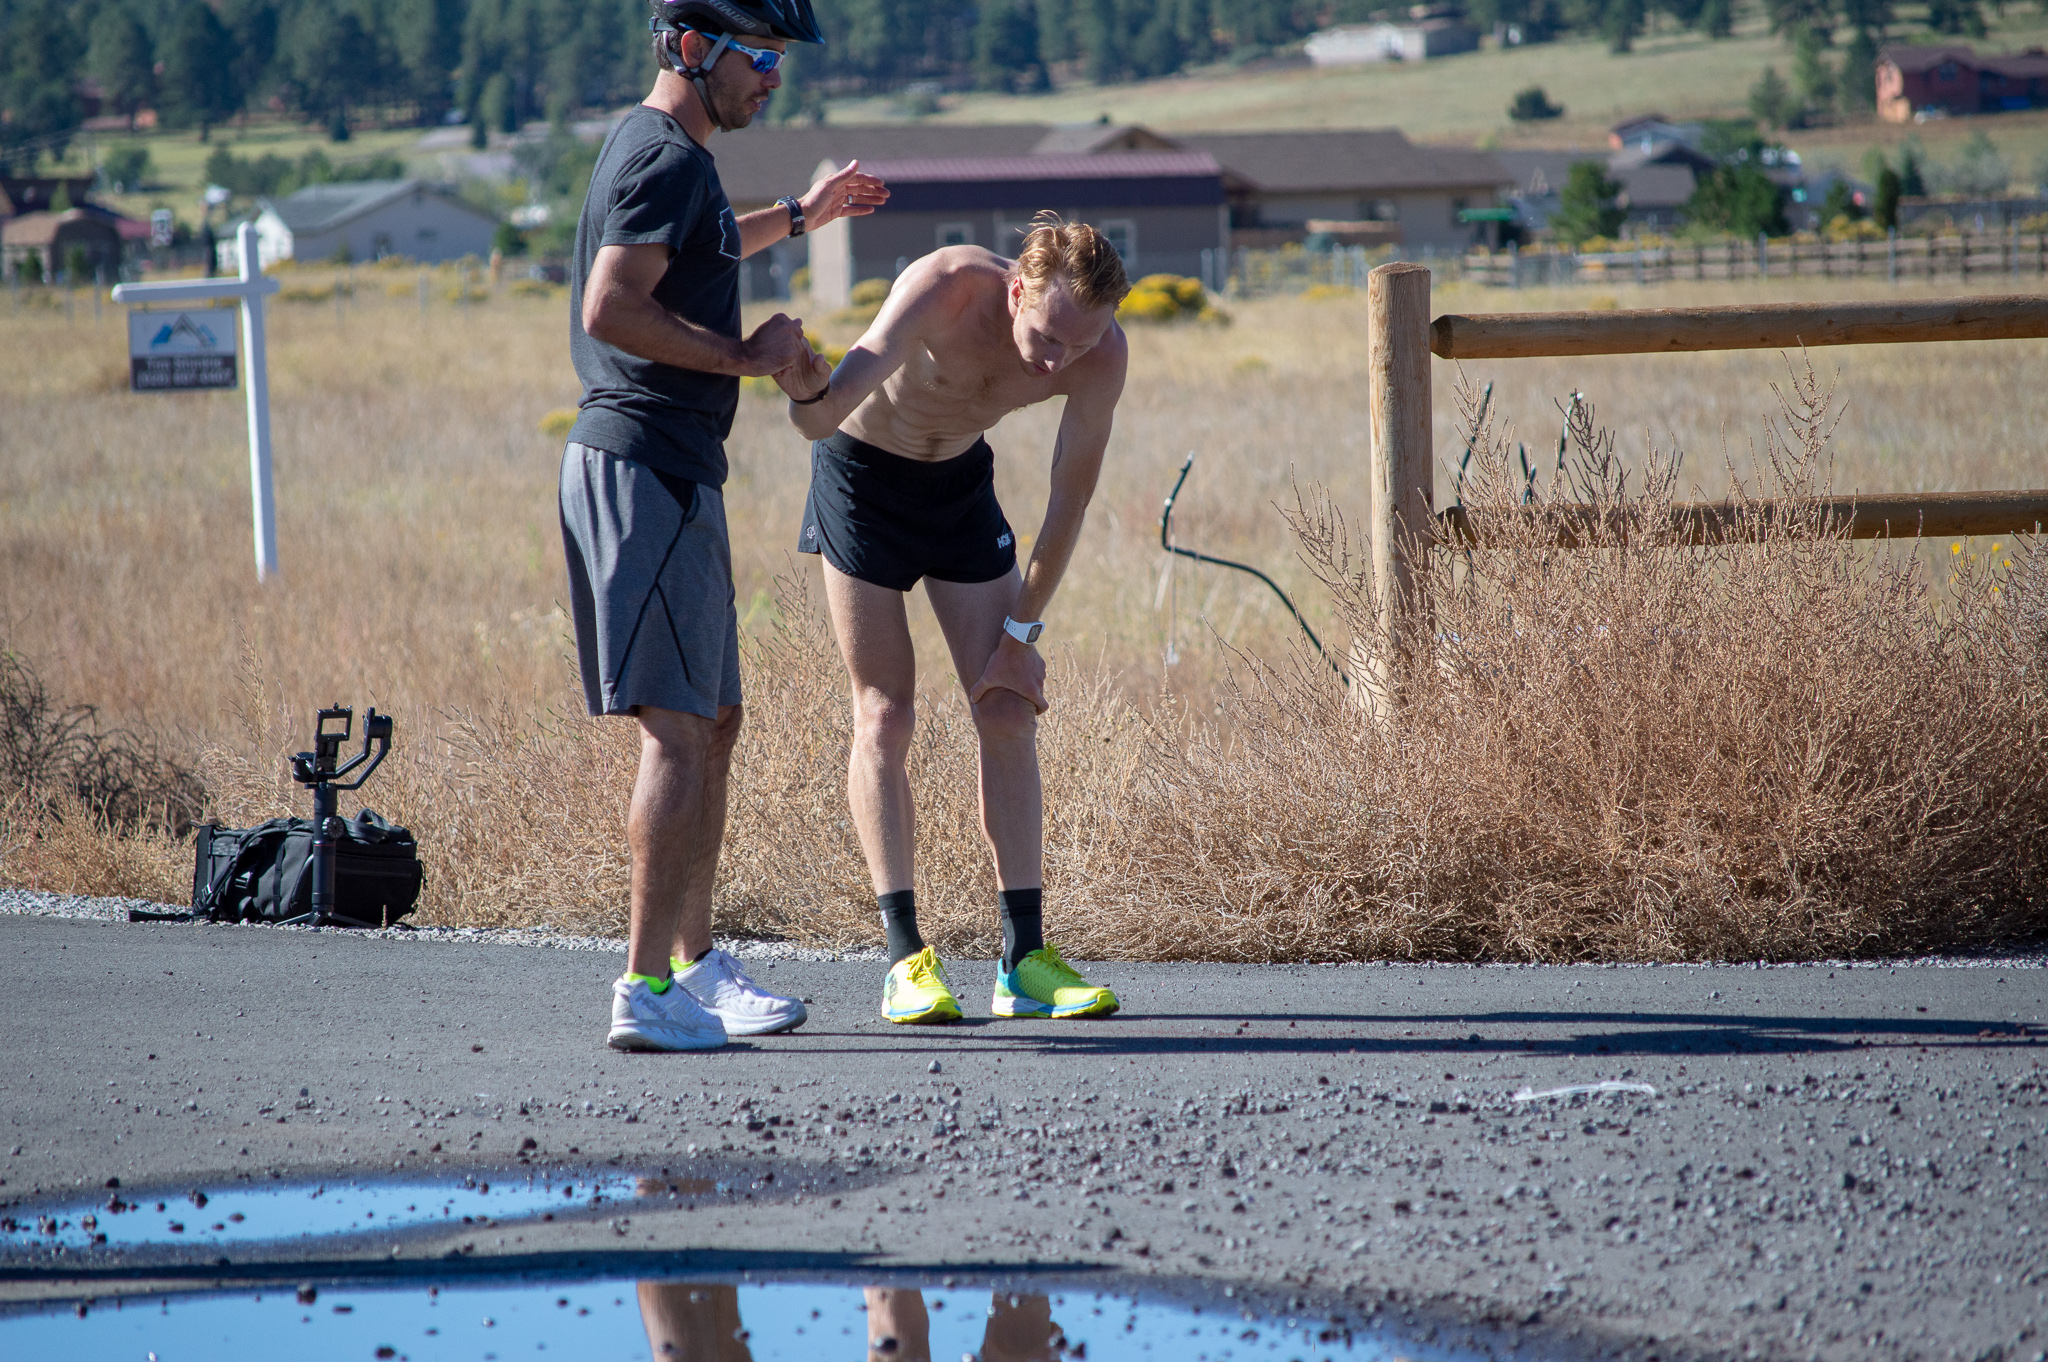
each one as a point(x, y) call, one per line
point(264, 873)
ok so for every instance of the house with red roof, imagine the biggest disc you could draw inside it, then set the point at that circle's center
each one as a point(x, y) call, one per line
point(1958, 80)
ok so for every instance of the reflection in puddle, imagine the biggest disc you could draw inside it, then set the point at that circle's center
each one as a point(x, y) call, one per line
point(655, 1321)
point(254, 1213)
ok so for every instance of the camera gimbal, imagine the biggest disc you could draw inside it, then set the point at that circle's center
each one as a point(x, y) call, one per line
point(317, 768)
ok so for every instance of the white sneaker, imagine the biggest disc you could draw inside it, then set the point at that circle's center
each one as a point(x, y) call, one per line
point(671, 1020)
point(746, 1008)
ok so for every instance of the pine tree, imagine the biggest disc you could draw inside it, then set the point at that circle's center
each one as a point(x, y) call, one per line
point(39, 56)
point(1812, 73)
point(123, 61)
point(198, 80)
point(1587, 205)
point(1859, 72)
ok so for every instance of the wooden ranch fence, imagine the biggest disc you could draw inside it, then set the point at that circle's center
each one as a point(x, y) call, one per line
point(1961, 256)
point(1402, 337)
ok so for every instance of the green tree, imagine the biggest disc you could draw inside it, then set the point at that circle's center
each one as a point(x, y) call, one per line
point(495, 111)
point(1622, 22)
point(1840, 202)
point(252, 27)
point(1771, 100)
point(1792, 17)
point(1859, 73)
point(426, 37)
point(39, 57)
point(1886, 208)
point(1006, 49)
point(1532, 105)
point(126, 168)
point(1738, 197)
point(1912, 162)
point(1871, 17)
point(198, 80)
point(1965, 17)
point(1812, 74)
point(123, 61)
point(1717, 18)
point(1587, 205)
point(330, 62)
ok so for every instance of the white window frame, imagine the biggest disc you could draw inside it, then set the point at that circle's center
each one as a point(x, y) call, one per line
point(1111, 228)
point(962, 234)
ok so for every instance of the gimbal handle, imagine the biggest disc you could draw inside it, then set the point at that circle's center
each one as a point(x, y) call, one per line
point(376, 729)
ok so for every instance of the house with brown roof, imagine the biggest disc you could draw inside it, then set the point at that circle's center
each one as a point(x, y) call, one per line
point(1160, 209)
point(1958, 80)
point(1278, 181)
point(1272, 185)
point(47, 244)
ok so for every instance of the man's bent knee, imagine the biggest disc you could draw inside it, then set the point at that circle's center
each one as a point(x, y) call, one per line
point(1005, 716)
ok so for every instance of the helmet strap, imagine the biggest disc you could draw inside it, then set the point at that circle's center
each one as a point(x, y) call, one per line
point(670, 46)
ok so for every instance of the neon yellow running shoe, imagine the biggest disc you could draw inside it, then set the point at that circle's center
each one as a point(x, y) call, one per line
point(1044, 985)
point(915, 991)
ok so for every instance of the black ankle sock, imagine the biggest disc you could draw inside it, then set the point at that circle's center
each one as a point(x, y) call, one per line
point(899, 920)
point(1023, 927)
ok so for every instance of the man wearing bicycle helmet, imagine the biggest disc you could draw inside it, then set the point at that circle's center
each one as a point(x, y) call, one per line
point(655, 336)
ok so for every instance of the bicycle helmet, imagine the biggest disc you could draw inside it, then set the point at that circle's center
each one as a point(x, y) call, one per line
point(724, 20)
point(792, 20)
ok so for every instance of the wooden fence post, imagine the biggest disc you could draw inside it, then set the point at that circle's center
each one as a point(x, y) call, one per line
point(1403, 473)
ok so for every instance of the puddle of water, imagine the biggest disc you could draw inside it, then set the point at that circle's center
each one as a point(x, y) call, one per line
point(648, 1321)
point(253, 1213)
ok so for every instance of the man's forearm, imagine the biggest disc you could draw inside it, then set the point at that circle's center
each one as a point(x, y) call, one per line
point(761, 229)
point(1050, 554)
point(641, 326)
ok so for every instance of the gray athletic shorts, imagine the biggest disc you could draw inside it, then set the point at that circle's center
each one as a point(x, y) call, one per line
point(650, 585)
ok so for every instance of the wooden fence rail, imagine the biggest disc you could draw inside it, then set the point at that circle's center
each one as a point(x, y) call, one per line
point(1401, 338)
point(1882, 515)
point(1762, 326)
point(1961, 256)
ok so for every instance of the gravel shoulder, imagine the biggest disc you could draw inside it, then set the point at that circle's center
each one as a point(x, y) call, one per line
point(1831, 1161)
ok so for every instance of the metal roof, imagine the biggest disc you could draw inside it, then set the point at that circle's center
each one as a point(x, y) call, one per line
point(323, 207)
point(1107, 165)
point(1111, 179)
point(1361, 160)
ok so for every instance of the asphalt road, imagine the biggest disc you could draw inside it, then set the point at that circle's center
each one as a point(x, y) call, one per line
point(1837, 1162)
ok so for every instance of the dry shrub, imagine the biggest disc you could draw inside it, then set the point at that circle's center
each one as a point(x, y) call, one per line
point(1643, 747)
point(83, 808)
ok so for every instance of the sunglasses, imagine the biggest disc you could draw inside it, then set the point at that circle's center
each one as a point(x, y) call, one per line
point(763, 59)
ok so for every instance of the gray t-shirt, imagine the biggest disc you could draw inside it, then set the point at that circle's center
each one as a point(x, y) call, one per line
point(652, 184)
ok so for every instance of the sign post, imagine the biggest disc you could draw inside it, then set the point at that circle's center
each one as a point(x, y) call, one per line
point(202, 357)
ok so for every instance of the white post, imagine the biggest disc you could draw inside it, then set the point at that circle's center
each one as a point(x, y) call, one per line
point(250, 288)
point(257, 384)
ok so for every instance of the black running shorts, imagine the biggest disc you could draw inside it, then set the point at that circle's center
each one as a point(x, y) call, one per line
point(890, 520)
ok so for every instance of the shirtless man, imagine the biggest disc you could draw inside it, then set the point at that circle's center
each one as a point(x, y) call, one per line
point(902, 489)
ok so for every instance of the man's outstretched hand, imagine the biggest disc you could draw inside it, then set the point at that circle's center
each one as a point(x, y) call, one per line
point(1016, 667)
point(848, 193)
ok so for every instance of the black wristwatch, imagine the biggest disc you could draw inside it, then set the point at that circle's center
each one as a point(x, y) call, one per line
point(796, 213)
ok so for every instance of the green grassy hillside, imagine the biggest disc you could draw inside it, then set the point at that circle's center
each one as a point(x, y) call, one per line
point(1463, 99)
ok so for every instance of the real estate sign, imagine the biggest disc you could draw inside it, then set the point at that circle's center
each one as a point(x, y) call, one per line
point(171, 351)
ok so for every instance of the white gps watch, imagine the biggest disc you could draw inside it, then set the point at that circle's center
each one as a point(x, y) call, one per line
point(1023, 633)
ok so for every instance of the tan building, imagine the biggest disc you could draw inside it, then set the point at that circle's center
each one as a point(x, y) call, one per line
point(1160, 209)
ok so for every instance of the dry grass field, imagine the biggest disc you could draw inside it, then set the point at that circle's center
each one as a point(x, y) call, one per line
point(1206, 798)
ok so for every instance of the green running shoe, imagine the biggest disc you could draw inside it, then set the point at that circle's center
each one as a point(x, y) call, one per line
point(915, 991)
point(1044, 985)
